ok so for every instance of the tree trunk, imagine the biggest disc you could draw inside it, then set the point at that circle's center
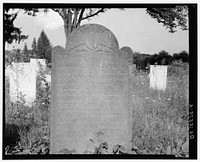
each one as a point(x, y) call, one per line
point(72, 18)
point(68, 28)
point(66, 32)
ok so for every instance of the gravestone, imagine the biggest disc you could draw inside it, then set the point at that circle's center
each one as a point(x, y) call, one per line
point(22, 78)
point(158, 77)
point(127, 54)
point(90, 92)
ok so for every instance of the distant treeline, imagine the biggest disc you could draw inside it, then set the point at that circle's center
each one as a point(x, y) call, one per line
point(143, 61)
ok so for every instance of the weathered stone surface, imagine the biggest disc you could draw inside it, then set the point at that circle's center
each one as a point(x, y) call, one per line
point(127, 54)
point(158, 77)
point(90, 92)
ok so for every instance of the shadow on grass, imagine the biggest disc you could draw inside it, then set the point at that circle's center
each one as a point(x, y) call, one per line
point(11, 135)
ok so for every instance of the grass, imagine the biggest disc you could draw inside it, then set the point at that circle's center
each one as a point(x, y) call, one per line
point(160, 118)
point(160, 124)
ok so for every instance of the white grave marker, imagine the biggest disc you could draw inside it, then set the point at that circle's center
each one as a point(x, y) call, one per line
point(22, 82)
point(158, 77)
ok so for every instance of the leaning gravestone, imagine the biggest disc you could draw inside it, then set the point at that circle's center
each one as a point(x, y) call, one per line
point(127, 54)
point(90, 92)
point(22, 78)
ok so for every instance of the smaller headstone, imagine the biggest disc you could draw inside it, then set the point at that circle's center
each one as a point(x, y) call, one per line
point(127, 54)
point(158, 77)
point(22, 78)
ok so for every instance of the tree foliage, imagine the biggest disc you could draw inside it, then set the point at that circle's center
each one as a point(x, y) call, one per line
point(11, 33)
point(44, 47)
point(183, 56)
point(162, 58)
point(34, 47)
point(17, 55)
point(141, 61)
point(26, 56)
point(25, 50)
point(171, 18)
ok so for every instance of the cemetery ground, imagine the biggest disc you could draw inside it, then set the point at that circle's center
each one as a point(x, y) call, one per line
point(160, 118)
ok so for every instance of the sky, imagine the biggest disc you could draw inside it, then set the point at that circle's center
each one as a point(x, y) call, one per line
point(132, 27)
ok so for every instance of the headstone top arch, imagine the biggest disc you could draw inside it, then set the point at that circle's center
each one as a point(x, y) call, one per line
point(92, 36)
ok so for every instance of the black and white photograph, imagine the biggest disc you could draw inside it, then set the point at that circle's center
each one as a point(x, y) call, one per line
point(83, 79)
